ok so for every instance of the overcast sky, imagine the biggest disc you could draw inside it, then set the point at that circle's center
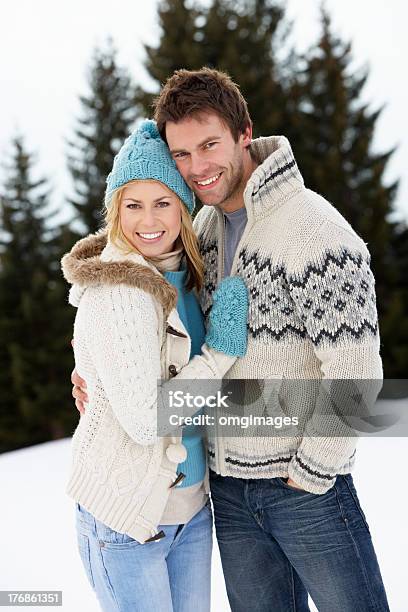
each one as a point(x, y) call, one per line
point(46, 47)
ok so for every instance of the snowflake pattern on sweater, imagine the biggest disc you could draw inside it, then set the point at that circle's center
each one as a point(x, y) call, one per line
point(331, 298)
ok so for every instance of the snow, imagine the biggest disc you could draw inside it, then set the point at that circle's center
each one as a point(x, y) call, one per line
point(38, 544)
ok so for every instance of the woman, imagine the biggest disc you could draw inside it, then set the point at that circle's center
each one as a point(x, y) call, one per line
point(144, 521)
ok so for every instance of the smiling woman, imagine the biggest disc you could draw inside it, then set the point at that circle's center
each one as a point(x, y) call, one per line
point(138, 324)
point(149, 215)
point(146, 217)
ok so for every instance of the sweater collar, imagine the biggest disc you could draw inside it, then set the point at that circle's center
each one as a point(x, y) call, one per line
point(275, 180)
point(168, 262)
point(93, 261)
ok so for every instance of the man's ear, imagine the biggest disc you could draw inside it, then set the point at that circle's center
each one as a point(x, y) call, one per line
point(246, 137)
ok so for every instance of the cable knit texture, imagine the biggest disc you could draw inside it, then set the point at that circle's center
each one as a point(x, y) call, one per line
point(227, 330)
point(312, 315)
point(144, 155)
point(127, 334)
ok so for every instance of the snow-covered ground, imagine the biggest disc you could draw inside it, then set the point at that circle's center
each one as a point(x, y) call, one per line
point(38, 549)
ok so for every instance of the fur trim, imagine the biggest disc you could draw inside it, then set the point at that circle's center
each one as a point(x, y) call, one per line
point(83, 266)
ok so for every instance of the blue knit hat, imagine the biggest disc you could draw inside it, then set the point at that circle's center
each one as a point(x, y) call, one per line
point(145, 155)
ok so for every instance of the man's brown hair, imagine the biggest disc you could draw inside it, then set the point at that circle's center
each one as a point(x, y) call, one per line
point(190, 92)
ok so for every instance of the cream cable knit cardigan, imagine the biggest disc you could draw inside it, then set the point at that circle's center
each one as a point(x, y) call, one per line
point(312, 315)
point(127, 334)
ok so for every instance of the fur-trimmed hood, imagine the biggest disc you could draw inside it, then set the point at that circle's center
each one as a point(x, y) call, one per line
point(93, 261)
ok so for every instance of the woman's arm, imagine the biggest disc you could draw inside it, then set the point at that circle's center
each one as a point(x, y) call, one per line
point(119, 325)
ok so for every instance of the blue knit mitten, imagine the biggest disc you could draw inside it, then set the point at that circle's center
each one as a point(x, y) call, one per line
point(227, 332)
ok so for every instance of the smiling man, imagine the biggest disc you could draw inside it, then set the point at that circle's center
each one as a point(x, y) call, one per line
point(211, 159)
point(287, 515)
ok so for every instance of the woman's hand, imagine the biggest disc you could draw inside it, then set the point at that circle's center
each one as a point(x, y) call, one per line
point(227, 332)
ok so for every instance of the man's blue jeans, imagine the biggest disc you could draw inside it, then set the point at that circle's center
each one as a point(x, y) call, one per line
point(278, 543)
point(169, 575)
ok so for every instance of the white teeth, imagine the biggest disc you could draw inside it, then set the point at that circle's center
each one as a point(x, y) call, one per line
point(150, 236)
point(209, 181)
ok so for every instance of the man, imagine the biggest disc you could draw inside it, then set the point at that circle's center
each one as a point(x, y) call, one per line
point(287, 516)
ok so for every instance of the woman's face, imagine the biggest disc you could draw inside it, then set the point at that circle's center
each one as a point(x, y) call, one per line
point(150, 217)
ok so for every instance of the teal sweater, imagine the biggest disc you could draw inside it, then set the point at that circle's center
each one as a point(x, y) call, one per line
point(190, 314)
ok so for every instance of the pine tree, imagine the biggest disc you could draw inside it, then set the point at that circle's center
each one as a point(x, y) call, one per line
point(333, 143)
point(336, 137)
point(240, 37)
point(395, 324)
point(107, 115)
point(34, 314)
point(243, 38)
point(179, 45)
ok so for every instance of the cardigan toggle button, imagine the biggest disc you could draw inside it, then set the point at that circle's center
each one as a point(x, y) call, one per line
point(176, 453)
point(172, 370)
point(156, 537)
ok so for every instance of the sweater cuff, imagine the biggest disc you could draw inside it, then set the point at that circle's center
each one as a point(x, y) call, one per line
point(232, 346)
point(319, 460)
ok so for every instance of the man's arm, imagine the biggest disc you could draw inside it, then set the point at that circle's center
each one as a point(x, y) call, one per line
point(332, 288)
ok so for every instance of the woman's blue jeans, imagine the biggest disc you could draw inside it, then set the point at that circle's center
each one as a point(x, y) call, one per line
point(278, 544)
point(172, 574)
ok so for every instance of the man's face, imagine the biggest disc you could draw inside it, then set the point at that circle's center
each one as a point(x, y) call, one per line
point(207, 156)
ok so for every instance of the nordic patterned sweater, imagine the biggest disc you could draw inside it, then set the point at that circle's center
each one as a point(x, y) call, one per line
point(312, 315)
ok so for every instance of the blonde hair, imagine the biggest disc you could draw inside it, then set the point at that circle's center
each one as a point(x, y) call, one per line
point(195, 267)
